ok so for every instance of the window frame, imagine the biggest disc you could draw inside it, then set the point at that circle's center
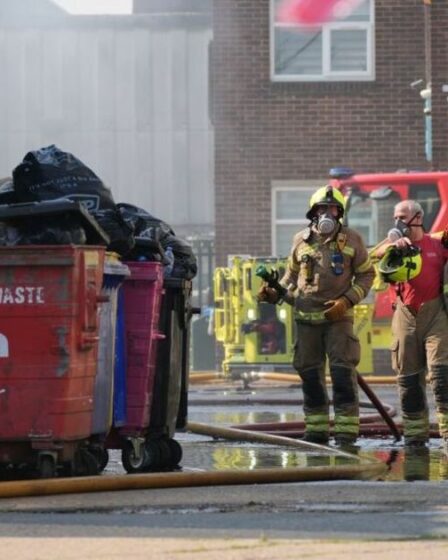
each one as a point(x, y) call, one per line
point(278, 186)
point(327, 75)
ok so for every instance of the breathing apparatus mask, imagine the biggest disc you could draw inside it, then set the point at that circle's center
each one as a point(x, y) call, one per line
point(326, 209)
point(325, 222)
point(401, 229)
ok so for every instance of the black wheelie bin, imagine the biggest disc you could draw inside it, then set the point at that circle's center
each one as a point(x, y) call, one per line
point(169, 406)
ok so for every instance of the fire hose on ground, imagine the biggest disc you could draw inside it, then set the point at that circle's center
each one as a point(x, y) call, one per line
point(365, 469)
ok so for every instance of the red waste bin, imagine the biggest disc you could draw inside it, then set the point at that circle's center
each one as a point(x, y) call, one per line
point(49, 299)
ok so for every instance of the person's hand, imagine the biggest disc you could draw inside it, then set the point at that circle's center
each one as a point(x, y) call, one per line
point(403, 243)
point(336, 309)
point(267, 294)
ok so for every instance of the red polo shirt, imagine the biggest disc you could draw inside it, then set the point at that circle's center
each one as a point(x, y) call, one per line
point(428, 284)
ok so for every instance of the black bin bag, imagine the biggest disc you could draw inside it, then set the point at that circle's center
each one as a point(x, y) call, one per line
point(153, 237)
point(50, 174)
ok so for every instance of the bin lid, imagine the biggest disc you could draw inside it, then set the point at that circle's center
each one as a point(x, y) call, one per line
point(53, 208)
point(177, 283)
point(113, 268)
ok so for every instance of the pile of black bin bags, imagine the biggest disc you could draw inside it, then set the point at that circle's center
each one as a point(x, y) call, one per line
point(54, 198)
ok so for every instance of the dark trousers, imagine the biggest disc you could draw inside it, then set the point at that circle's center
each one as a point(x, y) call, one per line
point(337, 342)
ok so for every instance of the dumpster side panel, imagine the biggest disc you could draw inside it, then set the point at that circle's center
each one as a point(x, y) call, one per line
point(120, 366)
point(49, 325)
point(171, 381)
point(114, 274)
point(142, 299)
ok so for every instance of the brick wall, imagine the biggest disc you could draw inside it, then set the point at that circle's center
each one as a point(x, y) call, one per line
point(268, 131)
point(439, 57)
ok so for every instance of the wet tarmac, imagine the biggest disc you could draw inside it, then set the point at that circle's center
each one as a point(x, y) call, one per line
point(235, 521)
point(226, 405)
point(253, 405)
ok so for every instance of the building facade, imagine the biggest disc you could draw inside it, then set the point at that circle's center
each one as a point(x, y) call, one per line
point(287, 106)
point(127, 94)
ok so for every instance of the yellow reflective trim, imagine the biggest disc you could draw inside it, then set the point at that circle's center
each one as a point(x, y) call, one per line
point(316, 316)
point(312, 316)
point(443, 422)
point(347, 420)
point(317, 418)
point(292, 265)
point(359, 291)
point(348, 251)
point(317, 422)
point(364, 267)
point(308, 250)
point(346, 424)
point(344, 429)
point(415, 427)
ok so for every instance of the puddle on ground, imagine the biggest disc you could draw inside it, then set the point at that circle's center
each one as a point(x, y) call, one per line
point(201, 453)
point(212, 455)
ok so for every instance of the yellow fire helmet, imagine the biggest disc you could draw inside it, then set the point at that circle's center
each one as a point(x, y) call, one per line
point(400, 265)
point(326, 195)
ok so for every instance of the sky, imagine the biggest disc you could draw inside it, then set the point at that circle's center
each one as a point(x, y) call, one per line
point(96, 6)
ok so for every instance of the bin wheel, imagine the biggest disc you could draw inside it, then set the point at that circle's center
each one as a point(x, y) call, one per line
point(166, 461)
point(85, 463)
point(101, 455)
point(66, 469)
point(46, 467)
point(154, 459)
point(132, 463)
point(176, 451)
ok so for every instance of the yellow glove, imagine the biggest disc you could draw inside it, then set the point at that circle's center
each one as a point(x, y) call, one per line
point(337, 308)
point(267, 294)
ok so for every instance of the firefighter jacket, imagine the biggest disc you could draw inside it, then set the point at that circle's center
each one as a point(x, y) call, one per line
point(321, 269)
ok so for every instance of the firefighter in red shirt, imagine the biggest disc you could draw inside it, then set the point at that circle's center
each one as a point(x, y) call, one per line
point(420, 321)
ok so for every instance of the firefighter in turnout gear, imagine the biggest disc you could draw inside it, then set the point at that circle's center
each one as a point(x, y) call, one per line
point(420, 321)
point(328, 272)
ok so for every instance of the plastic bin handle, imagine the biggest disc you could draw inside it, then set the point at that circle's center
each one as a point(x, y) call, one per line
point(88, 340)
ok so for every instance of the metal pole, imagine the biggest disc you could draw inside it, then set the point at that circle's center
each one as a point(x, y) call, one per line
point(428, 79)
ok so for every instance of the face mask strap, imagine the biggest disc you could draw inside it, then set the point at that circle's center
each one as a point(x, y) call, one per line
point(410, 224)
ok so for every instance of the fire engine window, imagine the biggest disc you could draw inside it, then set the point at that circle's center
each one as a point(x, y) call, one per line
point(371, 214)
point(428, 196)
point(361, 217)
point(383, 211)
point(271, 331)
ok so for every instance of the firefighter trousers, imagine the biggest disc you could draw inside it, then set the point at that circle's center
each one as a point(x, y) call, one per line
point(314, 343)
point(420, 346)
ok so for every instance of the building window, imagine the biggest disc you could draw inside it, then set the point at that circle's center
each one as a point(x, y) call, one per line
point(341, 50)
point(289, 206)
